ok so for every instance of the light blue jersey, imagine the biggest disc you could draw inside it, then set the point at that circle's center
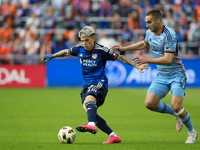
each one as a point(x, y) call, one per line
point(165, 42)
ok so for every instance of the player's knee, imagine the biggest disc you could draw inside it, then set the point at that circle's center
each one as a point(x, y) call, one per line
point(176, 108)
point(149, 105)
point(179, 111)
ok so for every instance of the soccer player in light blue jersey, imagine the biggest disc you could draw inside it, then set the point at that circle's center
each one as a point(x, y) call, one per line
point(171, 72)
point(93, 57)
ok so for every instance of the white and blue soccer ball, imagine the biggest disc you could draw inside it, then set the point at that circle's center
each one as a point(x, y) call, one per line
point(67, 135)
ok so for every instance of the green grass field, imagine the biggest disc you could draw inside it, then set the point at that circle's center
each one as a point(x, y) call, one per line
point(31, 118)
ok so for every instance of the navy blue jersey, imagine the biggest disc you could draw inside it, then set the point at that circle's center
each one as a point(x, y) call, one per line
point(93, 63)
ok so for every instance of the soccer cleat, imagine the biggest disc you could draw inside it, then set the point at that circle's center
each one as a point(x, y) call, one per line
point(179, 124)
point(191, 137)
point(113, 139)
point(87, 128)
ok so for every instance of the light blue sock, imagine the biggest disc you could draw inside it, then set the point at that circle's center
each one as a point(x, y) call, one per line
point(187, 122)
point(164, 108)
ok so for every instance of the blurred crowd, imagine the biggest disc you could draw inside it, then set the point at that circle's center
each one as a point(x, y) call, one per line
point(33, 28)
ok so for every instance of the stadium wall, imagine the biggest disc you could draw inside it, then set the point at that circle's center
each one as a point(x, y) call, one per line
point(67, 73)
point(23, 76)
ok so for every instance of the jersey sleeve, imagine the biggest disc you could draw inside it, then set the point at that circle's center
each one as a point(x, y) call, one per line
point(74, 50)
point(171, 43)
point(109, 55)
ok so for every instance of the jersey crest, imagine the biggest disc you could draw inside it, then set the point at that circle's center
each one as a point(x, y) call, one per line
point(94, 56)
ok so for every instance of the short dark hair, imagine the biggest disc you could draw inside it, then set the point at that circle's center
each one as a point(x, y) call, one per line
point(155, 13)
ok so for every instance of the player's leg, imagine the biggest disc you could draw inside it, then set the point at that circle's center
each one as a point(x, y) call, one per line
point(91, 109)
point(185, 118)
point(153, 103)
point(102, 125)
point(178, 90)
point(158, 90)
point(90, 104)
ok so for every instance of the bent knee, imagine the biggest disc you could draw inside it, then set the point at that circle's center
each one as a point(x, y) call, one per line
point(150, 105)
point(176, 108)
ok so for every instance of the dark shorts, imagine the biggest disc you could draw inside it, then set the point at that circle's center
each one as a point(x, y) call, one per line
point(98, 90)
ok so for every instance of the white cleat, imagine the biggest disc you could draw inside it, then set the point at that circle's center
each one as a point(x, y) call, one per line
point(191, 137)
point(179, 124)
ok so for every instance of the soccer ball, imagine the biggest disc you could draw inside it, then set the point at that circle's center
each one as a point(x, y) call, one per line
point(67, 135)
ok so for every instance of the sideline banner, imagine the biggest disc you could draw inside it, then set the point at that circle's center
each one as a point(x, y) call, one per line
point(68, 73)
point(22, 75)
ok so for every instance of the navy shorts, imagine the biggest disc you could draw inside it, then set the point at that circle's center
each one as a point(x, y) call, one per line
point(98, 90)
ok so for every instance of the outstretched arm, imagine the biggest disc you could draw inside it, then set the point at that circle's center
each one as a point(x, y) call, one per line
point(137, 46)
point(61, 53)
point(165, 60)
point(129, 61)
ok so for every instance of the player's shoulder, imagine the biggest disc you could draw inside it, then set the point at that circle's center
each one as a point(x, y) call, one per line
point(101, 48)
point(169, 32)
point(168, 29)
point(79, 45)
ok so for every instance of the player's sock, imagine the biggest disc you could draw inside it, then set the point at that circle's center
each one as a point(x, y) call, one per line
point(101, 124)
point(187, 122)
point(164, 108)
point(91, 112)
point(91, 123)
point(113, 133)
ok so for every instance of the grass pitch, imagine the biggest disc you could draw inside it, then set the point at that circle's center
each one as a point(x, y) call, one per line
point(31, 118)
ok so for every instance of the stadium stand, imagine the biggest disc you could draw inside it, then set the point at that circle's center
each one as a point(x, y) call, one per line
point(29, 29)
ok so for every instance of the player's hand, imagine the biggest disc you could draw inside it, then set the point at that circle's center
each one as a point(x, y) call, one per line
point(47, 58)
point(142, 66)
point(117, 46)
point(139, 60)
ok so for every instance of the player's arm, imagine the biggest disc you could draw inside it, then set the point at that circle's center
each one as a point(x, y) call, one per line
point(137, 46)
point(165, 60)
point(62, 53)
point(129, 61)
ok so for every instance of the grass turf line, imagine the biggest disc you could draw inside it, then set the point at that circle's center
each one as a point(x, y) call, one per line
point(31, 119)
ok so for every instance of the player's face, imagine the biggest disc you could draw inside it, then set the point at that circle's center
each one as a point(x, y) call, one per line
point(88, 42)
point(151, 23)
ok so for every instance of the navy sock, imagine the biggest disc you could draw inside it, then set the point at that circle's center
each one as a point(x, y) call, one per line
point(164, 108)
point(91, 111)
point(101, 124)
point(187, 122)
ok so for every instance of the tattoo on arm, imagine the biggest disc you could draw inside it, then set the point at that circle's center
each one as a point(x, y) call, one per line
point(62, 53)
point(126, 60)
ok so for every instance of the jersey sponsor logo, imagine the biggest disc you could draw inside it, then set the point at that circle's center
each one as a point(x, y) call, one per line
point(87, 62)
point(156, 48)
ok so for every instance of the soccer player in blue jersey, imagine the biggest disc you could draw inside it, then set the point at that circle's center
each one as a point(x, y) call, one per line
point(93, 57)
point(171, 73)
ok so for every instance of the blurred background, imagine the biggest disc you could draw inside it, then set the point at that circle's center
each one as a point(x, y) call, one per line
point(30, 29)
